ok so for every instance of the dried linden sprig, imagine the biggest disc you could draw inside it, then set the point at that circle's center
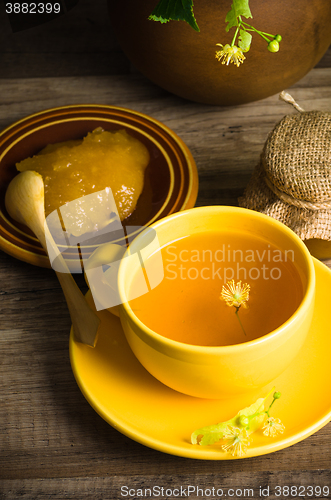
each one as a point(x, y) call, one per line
point(182, 10)
point(235, 433)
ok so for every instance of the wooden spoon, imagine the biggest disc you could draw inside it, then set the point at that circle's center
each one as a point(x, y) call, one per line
point(25, 203)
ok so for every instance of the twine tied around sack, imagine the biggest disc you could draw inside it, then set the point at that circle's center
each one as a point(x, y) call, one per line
point(304, 205)
point(292, 182)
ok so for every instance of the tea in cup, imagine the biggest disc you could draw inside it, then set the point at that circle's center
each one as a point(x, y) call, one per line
point(232, 309)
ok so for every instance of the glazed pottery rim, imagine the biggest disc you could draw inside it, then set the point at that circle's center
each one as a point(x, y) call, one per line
point(62, 120)
point(282, 330)
point(87, 106)
point(166, 140)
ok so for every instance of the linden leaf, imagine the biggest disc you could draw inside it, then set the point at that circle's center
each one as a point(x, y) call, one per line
point(175, 10)
point(238, 8)
point(213, 433)
point(210, 434)
point(245, 40)
point(161, 20)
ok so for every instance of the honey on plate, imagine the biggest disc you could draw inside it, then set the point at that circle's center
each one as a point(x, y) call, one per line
point(186, 306)
point(103, 159)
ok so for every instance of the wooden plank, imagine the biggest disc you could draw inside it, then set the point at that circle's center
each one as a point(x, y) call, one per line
point(325, 62)
point(79, 43)
point(271, 485)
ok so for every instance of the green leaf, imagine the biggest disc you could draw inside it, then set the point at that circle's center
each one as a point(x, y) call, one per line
point(238, 8)
point(210, 434)
point(213, 433)
point(161, 20)
point(175, 10)
point(245, 40)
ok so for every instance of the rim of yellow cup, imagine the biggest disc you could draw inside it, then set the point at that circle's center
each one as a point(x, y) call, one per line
point(216, 350)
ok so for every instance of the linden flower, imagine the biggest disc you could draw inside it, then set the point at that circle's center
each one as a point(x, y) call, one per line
point(237, 441)
point(273, 427)
point(235, 294)
point(230, 54)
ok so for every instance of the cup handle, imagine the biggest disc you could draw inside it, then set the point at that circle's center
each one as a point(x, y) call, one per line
point(104, 255)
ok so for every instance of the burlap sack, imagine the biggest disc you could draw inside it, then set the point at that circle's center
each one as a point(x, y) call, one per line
point(292, 182)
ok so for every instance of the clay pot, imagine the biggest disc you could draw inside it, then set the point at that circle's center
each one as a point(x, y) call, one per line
point(183, 61)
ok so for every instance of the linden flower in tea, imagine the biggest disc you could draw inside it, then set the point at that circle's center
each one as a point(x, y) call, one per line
point(236, 294)
point(235, 432)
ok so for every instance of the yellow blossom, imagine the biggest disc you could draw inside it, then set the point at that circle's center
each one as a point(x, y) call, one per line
point(235, 294)
point(273, 427)
point(237, 441)
point(230, 54)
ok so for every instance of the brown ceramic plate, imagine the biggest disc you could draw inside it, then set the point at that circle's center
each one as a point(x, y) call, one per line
point(171, 182)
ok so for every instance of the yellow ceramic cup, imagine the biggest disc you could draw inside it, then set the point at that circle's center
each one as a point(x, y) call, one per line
point(217, 372)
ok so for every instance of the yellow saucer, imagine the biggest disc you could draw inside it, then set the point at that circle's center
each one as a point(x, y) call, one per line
point(136, 404)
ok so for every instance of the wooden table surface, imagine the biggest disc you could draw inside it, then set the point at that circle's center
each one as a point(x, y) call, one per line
point(52, 443)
